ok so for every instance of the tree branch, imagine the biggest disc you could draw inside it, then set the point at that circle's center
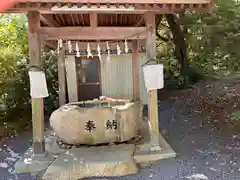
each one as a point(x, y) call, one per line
point(161, 37)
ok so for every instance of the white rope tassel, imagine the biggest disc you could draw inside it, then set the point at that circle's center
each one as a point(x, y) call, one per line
point(108, 52)
point(77, 50)
point(69, 46)
point(118, 50)
point(126, 46)
point(60, 44)
point(89, 53)
point(99, 52)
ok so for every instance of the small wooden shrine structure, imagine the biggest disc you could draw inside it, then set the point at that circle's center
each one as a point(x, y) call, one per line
point(96, 20)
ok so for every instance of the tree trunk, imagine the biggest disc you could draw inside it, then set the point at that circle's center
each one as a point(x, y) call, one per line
point(180, 44)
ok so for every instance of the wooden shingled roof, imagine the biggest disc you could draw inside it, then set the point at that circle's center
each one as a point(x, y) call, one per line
point(110, 13)
point(140, 6)
point(119, 14)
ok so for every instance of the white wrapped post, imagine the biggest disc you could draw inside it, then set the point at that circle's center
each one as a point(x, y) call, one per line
point(153, 76)
point(38, 84)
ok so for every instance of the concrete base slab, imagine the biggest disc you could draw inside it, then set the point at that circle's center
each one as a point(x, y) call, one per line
point(146, 153)
point(51, 144)
point(32, 163)
point(104, 161)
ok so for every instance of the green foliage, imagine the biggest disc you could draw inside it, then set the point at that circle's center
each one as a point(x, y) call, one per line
point(235, 115)
point(214, 37)
point(213, 41)
point(15, 102)
point(50, 68)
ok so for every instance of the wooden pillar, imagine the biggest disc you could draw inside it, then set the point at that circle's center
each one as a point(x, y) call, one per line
point(37, 104)
point(61, 77)
point(152, 95)
point(72, 82)
point(135, 70)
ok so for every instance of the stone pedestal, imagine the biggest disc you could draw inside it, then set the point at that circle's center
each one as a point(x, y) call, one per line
point(33, 163)
point(104, 161)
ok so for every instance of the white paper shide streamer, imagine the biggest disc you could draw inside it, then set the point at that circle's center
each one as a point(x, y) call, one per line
point(60, 44)
point(70, 47)
point(118, 50)
point(99, 52)
point(89, 53)
point(126, 46)
point(77, 50)
point(108, 52)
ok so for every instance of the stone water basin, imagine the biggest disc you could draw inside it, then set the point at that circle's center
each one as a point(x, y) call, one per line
point(97, 122)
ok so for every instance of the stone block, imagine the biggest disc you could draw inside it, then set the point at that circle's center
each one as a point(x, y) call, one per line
point(104, 161)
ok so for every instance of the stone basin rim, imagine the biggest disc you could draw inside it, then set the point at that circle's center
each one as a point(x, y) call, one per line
point(119, 105)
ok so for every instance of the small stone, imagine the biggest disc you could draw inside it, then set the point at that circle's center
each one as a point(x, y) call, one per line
point(222, 164)
point(3, 165)
point(213, 169)
point(234, 136)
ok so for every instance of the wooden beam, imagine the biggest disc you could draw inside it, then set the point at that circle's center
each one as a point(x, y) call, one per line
point(89, 33)
point(37, 104)
point(123, 1)
point(102, 44)
point(61, 77)
point(50, 44)
point(48, 20)
point(152, 95)
point(136, 70)
point(93, 20)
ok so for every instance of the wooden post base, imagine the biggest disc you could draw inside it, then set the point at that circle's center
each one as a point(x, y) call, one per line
point(39, 147)
point(148, 151)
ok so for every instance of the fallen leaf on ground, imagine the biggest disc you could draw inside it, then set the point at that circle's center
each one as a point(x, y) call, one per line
point(197, 177)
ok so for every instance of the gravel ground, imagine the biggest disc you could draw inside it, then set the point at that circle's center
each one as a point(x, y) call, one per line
point(204, 151)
